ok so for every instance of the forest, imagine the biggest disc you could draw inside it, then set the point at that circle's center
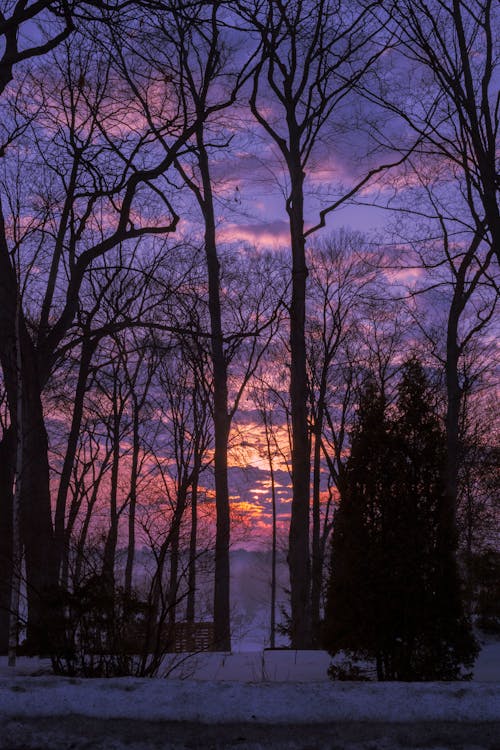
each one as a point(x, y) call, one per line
point(249, 235)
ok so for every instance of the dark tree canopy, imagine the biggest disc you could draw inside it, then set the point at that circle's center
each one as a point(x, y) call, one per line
point(394, 591)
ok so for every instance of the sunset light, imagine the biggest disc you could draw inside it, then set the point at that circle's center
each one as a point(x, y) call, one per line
point(248, 337)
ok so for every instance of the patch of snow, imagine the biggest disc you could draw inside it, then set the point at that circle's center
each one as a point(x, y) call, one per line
point(269, 687)
point(487, 666)
point(232, 702)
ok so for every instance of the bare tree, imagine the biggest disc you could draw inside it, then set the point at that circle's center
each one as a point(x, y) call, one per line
point(450, 53)
point(207, 70)
point(211, 80)
point(55, 20)
point(16, 503)
point(260, 395)
point(312, 56)
point(455, 46)
point(187, 409)
point(101, 172)
point(342, 278)
point(7, 466)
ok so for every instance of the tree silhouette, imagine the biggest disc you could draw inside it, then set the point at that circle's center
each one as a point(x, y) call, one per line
point(394, 593)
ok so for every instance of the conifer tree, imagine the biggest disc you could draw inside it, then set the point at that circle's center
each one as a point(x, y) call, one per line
point(394, 591)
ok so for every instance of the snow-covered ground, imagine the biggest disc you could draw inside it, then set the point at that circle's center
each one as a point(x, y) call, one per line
point(214, 702)
point(225, 701)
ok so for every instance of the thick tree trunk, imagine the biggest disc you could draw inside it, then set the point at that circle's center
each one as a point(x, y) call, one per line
point(222, 634)
point(35, 511)
point(7, 461)
point(35, 506)
point(452, 440)
point(454, 396)
point(317, 557)
point(15, 592)
point(298, 549)
point(222, 630)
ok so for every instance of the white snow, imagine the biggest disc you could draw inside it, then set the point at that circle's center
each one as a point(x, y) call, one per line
point(274, 703)
point(270, 687)
point(487, 666)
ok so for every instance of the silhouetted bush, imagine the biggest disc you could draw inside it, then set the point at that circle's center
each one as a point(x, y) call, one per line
point(98, 631)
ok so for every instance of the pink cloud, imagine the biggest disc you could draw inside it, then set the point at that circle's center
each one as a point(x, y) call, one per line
point(270, 234)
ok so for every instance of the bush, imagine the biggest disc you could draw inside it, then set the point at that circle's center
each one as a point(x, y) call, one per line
point(98, 631)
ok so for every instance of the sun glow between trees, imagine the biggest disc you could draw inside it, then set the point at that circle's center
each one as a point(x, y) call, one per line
point(186, 326)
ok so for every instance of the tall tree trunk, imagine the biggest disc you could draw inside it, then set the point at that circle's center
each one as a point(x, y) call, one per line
point(448, 531)
point(60, 536)
point(108, 563)
point(193, 549)
point(82, 541)
point(173, 584)
point(174, 537)
point(318, 544)
point(222, 630)
point(298, 548)
point(129, 567)
point(35, 510)
point(272, 624)
point(454, 400)
point(36, 515)
point(16, 506)
point(317, 557)
point(7, 462)
point(452, 428)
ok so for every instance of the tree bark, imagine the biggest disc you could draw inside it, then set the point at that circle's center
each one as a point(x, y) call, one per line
point(298, 550)
point(317, 557)
point(108, 564)
point(174, 537)
point(36, 515)
point(193, 548)
point(15, 591)
point(222, 630)
point(35, 510)
point(129, 567)
point(60, 536)
point(7, 460)
point(272, 624)
point(454, 397)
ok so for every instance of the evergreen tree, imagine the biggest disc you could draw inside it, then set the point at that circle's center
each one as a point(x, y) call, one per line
point(394, 592)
